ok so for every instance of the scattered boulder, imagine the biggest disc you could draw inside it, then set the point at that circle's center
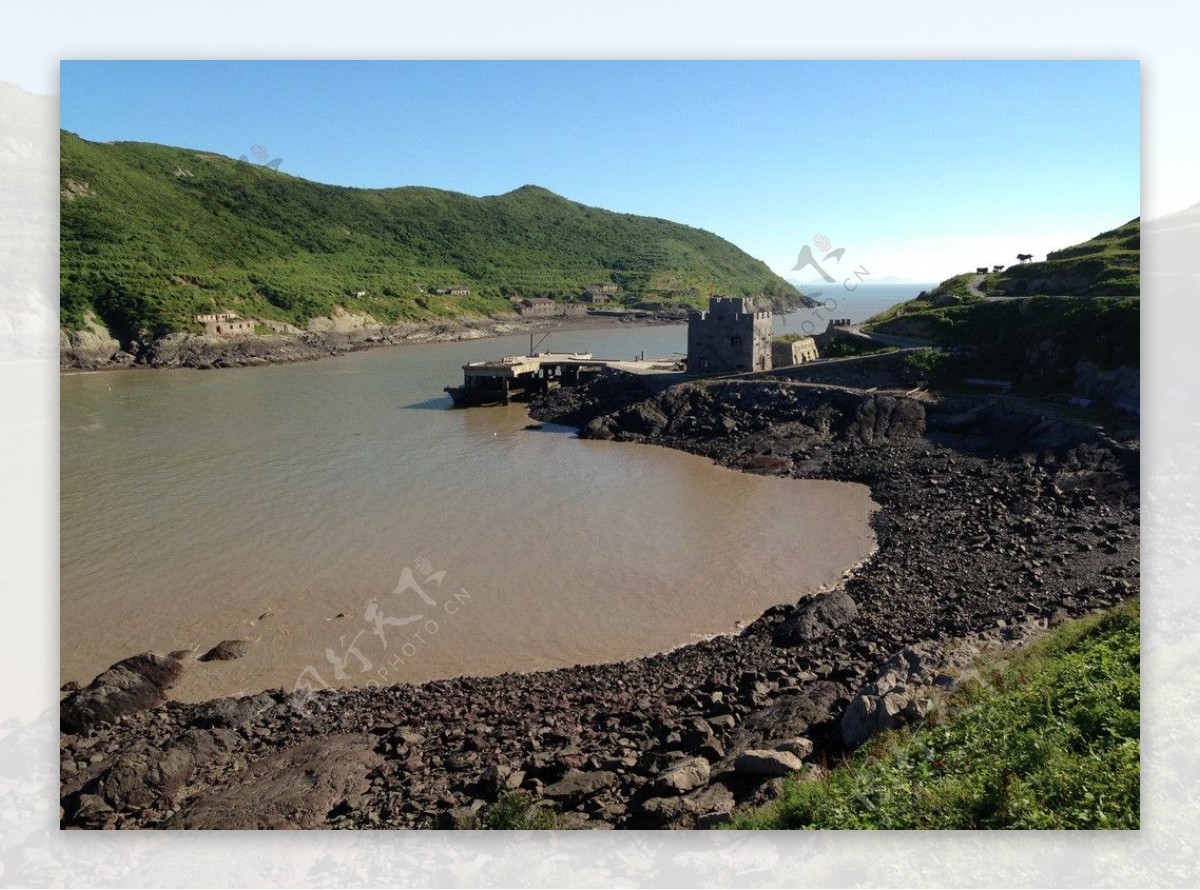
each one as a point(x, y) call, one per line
point(684, 776)
point(706, 821)
point(577, 785)
point(767, 763)
point(768, 464)
point(234, 712)
point(815, 618)
point(146, 774)
point(129, 686)
point(898, 695)
point(92, 811)
point(660, 811)
point(799, 746)
point(869, 715)
point(226, 650)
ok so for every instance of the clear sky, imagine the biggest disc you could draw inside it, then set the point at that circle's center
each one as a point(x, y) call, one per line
point(918, 169)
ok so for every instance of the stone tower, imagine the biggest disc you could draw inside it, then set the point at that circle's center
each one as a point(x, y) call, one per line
point(731, 336)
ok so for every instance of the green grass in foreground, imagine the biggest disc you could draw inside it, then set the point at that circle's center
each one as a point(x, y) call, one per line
point(1047, 740)
point(513, 811)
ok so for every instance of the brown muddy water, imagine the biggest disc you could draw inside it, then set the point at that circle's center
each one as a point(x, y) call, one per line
point(358, 532)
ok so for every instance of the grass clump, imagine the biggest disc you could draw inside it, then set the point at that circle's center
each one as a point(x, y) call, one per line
point(1049, 739)
point(848, 347)
point(513, 811)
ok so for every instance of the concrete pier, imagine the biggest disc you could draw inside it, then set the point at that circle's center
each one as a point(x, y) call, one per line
point(500, 381)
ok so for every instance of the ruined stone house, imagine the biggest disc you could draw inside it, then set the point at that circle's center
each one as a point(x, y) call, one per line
point(225, 324)
point(785, 353)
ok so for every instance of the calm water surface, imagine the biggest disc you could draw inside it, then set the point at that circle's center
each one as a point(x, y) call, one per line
point(285, 504)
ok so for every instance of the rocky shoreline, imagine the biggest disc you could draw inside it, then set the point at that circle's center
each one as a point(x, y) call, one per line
point(95, 350)
point(995, 521)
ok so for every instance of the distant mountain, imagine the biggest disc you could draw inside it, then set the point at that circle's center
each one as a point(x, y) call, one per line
point(152, 236)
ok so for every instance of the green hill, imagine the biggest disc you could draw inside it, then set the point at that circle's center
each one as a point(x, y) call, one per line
point(1081, 305)
point(1108, 265)
point(152, 236)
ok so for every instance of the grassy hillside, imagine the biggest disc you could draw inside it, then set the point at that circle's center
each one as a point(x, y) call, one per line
point(1085, 308)
point(152, 236)
point(1050, 740)
point(1036, 343)
point(1108, 265)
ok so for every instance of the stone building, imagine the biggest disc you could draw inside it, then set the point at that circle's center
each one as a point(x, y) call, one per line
point(545, 307)
point(226, 324)
point(731, 336)
point(785, 353)
point(538, 306)
point(594, 296)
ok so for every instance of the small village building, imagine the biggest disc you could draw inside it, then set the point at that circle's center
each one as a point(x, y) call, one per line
point(225, 324)
point(538, 306)
point(593, 297)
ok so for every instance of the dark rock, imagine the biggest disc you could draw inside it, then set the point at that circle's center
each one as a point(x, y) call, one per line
point(91, 811)
point(576, 785)
point(234, 712)
point(799, 746)
point(767, 763)
point(869, 715)
point(294, 788)
point(706, 821)
point(659, 811)
point(127, 687)
point(711, 750)
point(684, 776)
point(146, 775)
point(815, 618)
point(226, 650)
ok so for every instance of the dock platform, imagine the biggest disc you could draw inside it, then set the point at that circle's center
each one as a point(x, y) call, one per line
point(501, 381)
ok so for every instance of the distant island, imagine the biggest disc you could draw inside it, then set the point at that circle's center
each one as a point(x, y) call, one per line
point(158, 241)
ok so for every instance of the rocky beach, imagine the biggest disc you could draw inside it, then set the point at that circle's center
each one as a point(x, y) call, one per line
point(998, 518)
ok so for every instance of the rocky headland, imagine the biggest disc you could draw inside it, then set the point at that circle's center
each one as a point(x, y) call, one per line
point(996, 520)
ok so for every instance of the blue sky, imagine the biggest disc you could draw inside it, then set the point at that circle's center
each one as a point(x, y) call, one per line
point(917, 169)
